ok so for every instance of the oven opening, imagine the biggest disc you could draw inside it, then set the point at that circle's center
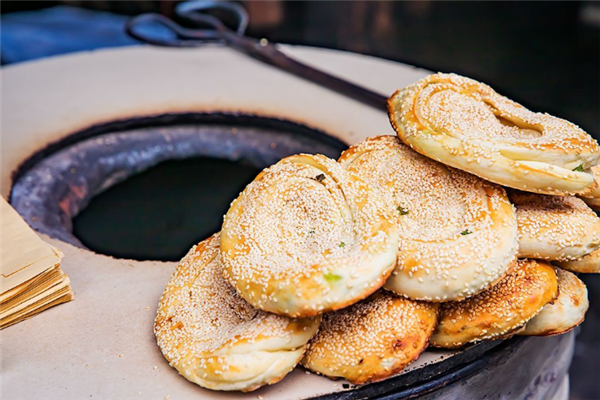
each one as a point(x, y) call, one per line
point(150, 188)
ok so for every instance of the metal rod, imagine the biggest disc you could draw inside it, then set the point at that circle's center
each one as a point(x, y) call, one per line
point(269, 54)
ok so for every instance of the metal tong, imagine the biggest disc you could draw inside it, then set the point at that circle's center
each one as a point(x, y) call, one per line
point(211, 29)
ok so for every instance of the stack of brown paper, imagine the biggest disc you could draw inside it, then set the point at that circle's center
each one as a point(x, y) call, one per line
point(31, 279)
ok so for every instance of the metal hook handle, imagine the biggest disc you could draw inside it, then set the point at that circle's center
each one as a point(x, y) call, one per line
point(263, 50)
point(185, 37)
point(193, 11)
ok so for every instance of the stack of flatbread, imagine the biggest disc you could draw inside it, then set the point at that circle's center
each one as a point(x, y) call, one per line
point(31, 280)
point(442, 236)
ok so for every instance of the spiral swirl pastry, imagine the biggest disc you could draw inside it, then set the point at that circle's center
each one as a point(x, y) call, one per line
point(216, 339)
point(458, 233)
point(561, 228)
point(307, 237)
point(592, 196)
point(467, 125)
point(588, 264)
point(499, 312)
point(371, 340)
point(564, 313)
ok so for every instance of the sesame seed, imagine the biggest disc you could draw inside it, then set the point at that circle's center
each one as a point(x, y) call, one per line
point(200, 314)
point(264, 238)
point(467, 120)
point(517, 298)
point(475, 236)
point(561, 228)
point(374, 338)
point(565, 312)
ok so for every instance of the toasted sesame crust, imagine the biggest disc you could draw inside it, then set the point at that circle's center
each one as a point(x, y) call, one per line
point(500, 311)
point(589, 264)
point(217, 340)
point(307, 237)
point(561, 228)
point(563, 314)
point(467, 125)
point(592, 197)
point(458, 233)
point(371, 340)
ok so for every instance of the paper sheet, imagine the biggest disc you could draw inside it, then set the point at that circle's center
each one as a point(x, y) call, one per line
point(24, 255)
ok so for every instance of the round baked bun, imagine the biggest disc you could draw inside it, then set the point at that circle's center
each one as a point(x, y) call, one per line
point(559, 228)
point(500, 311)
point(371, 340)
point(589, 264)
point(458, 233)
point(216, 339)
point(467, 125)
point(565, 312)
point(307, 237)
point(592, 197)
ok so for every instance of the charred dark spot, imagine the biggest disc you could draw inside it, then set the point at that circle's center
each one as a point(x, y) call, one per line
point(398, 345)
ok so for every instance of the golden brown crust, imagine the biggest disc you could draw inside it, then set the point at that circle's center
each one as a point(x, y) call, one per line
point(561, 228)
point(217, 340)
point(307, 237)
point(565, 312)
point(371, 340)
point(445, 255)
point(589, 264)
point(499, 311)
point(466, 124)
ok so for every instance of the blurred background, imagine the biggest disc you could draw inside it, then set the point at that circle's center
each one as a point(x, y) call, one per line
point(545, 55)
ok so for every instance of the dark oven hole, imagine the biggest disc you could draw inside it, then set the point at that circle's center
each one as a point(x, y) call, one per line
point(149, 188)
